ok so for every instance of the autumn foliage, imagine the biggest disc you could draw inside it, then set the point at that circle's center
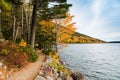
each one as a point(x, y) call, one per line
point(55, 31)
point(10, 54)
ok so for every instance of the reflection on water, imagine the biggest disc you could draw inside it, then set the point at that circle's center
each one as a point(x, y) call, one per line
point(95, 61)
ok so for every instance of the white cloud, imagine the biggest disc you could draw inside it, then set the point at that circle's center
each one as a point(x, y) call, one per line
point(96, 7)
point(97, 18)
point(112, 36)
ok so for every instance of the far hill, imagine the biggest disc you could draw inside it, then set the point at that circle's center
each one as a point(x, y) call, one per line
point(82, 38)
point(114, 42)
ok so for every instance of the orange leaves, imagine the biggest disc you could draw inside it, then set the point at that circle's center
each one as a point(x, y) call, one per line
point(75, 39)
point(43, 23)
point(66, 29)
point(68, 19)
point(63, 37)
point(47, 27)
point(23, 43)
point(48, 23)
point(63, 28)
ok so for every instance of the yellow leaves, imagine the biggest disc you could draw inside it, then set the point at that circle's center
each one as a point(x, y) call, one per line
point(66, 29)
point(63, 37)
point(48, 23)
point(22, 43)
point(55, 59)
point(63, 28)
point(51, 24)
point(68, 18)
point(54, 56)
point(69, 40)
point(43, 23)
point(47, 27)
point(75, 39)
point(5, 5)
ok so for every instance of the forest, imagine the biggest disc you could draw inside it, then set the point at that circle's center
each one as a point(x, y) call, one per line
point(26, 25)
point(30, 25)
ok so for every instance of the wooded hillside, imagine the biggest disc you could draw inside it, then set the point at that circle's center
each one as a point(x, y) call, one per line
point(82, 38)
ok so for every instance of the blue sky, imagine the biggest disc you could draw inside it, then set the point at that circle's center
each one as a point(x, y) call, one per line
point(97, 18)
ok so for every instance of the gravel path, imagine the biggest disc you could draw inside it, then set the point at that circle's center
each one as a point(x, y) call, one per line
point(30, 71)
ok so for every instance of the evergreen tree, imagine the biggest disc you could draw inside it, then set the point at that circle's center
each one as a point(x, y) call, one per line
point(55, 12)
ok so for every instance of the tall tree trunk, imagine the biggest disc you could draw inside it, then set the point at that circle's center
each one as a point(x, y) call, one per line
point(27, 24)
point(22, 20)
point(0, 23)
point(56, 33)
point(17, 32)
point(14, 23)
point(33, 25)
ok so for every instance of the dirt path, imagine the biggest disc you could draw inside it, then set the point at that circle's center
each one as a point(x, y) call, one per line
point(30, 71)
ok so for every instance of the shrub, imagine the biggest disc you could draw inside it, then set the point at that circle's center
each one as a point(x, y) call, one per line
point(16, 59)
point(48, 51)
point(32, 55)
point(12, 55)
point(22, 43)
point(4, 52)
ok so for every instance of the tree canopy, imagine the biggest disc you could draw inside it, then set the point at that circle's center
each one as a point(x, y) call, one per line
point(22, 21)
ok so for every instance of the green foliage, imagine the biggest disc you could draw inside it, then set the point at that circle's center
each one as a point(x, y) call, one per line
point(53, 64)
point(32, 55)
point(17, 2)
point(4, 52)
point(5, 5)
point(59, 67)
point(62, 1)
point(48, 51)
point(12, 56)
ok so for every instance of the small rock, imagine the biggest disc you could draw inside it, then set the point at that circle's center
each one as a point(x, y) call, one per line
point(49, 78)
point(1, 64)
point(41, 73)
point(55, 71)
point(77, 76)
point(69, 78)
point(59, 78)
point(40, 78)
point(7, 76)
point(49, 60)
point(2, 77)
point(5, 67)
point(1, 72)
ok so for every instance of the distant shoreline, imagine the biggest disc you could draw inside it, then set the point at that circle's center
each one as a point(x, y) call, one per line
point(114, 42)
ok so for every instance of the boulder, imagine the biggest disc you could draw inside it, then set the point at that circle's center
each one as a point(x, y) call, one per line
point(77, 76)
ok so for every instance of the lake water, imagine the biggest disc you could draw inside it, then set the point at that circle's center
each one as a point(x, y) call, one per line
point(95, 61)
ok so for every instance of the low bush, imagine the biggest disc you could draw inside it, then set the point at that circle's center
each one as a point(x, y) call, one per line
point(16, 59)
point(11, 55)
point(4, 52)
point(48, 51)
point(32, 55)
point(59, 67)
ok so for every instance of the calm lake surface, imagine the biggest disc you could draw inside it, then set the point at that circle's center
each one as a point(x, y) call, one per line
point(95, 61)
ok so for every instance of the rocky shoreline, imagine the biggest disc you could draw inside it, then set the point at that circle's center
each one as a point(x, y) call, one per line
point(48, 72)
point(51, 73)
